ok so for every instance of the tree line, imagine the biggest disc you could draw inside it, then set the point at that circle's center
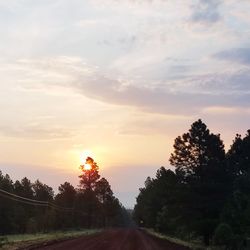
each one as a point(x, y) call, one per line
point(206, 196)
point(27, 207)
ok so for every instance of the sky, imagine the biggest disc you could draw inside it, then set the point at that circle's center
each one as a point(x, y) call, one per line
point(118, 80)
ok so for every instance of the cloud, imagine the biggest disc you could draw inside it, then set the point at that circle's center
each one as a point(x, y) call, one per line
point(183, 96)
point(36, 132)
point(230, 82)
point(206, 11)
point(131, 2)
point(239, 55)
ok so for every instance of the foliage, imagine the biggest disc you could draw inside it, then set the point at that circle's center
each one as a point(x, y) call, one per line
point(223, 235)
point(209, 188)
point(89, 177)
point(93, 205)
point(17, 241)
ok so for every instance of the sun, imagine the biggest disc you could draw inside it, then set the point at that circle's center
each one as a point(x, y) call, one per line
point(87, 166)
point(84, 155)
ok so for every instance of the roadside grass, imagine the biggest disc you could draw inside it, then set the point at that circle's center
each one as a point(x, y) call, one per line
point(191, 245)
point(194, 244)
point(13, 242)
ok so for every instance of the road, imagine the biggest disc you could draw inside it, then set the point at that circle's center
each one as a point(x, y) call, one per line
point(116, 239)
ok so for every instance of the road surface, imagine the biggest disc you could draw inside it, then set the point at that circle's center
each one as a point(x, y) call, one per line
point(115, 239)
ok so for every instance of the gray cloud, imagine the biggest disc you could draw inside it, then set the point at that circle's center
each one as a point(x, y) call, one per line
point(240, 55)
point(184, 97)
point(234, 83)
point(122, 41)
point(206, 11)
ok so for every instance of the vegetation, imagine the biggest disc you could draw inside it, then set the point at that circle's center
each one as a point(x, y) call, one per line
point(192, 245)
point(207, 196)
point(27, 207)
point(27, 240)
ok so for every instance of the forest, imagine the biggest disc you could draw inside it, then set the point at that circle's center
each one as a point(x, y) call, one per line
point(207, 194)
point(27, 207)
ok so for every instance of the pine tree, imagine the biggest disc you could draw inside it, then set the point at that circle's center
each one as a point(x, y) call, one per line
point(88, 181)
point(199, 159)
point(90, 175)
point(106, 198)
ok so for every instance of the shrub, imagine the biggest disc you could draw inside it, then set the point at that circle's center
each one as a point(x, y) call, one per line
point(3, 241)
point(223, 235)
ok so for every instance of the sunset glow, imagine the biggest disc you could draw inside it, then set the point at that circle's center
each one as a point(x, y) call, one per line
point(84, 155)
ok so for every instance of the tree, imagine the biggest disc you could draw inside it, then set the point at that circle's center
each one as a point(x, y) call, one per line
point(86, 204)
point(90, 175)
point(158, 193)
point(88, 181)
point(43, 215)
point(6, 205)
point(237, 209)
point(103, 190)
point(198, 154)
point(23, 212)
point(66, 199)
point(42, 191)
point(66, 195)
point(106, 198)
point(199, 159)
point(24, 188)
point(238, 155)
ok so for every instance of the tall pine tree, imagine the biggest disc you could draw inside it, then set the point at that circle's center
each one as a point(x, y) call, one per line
point(199, 159)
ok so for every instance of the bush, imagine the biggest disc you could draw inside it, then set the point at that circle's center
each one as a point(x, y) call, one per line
point(3, 241)
point(239, 242)
point(223, 235)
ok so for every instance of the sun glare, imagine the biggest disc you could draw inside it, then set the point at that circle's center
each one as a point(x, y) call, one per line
point(87, 166)
point(84, 155)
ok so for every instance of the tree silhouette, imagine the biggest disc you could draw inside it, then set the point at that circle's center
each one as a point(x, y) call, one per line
point(197, 153)
point(89, 176)
point(65, 198)
point(237, 210)
point(239, 155)
point(106, 198)
point(6, 206)
point(42, 191)
point(27, 207)
point(88, 181)
point(21, 213)
point(199, 158)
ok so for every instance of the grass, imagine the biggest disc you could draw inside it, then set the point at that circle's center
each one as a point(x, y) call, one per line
point(191, 245)
point(12, 242)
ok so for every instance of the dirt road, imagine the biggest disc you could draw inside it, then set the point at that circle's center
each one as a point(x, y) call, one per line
point(119, 239)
